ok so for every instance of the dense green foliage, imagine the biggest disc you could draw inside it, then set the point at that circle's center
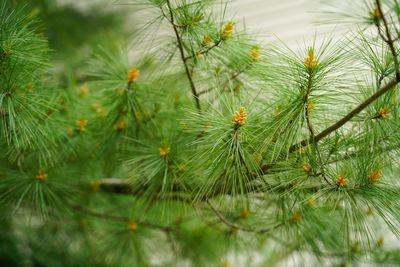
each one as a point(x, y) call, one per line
point(192, 144)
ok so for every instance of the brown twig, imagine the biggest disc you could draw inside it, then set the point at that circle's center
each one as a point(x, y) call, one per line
point(108, 216)
point(123, 187)
point(204, 51)
point(389, 39)
point(171, 19)
point(349, 116)
point(241, 227)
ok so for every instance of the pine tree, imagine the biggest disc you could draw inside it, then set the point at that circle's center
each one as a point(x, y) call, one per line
point(191, 143)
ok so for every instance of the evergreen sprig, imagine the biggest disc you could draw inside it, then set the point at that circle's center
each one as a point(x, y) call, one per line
point(195, 145)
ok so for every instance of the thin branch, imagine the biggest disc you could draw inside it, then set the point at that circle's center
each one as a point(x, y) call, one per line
point(349, 116)
point(204, 51)
point(122, 187)
point(108, 216)
point(241, 227)
point(171, 19)
point(309, 124)
point(389, 39)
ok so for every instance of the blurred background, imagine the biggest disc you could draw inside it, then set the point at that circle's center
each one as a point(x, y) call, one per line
point(292, 21)
point(74, 28)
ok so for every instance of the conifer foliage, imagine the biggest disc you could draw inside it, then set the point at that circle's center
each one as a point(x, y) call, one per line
point(196, 145)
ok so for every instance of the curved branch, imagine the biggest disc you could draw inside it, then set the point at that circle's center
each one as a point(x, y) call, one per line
point(349, 116)
point(241, 227)
point(107, 216)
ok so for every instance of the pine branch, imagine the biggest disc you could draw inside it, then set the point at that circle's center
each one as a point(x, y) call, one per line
point(389, 39)
point(349, 116)
point(241, 227)
point(123, 187)
point(171, 19)
point(217, 174)
point(205, 51)
point(108, 216)
point(309, 124)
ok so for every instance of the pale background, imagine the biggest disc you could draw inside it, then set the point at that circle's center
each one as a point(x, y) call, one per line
point(292, 21)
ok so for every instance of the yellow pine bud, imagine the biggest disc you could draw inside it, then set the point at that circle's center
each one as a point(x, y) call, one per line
point(240, 117)
point(207, 40)
point(375, 14)
point(341, 181)
point(310, 61)
point(227, 30)
point(42, 176)
point(164, 151)
point(296, 217)
point(132, 226)
point(383, 113)
point(120, 125)
point(255, 53)
point(133, 74)
point(307, 167)
point(81, 125)
point(375, 176)
point(355, 247)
